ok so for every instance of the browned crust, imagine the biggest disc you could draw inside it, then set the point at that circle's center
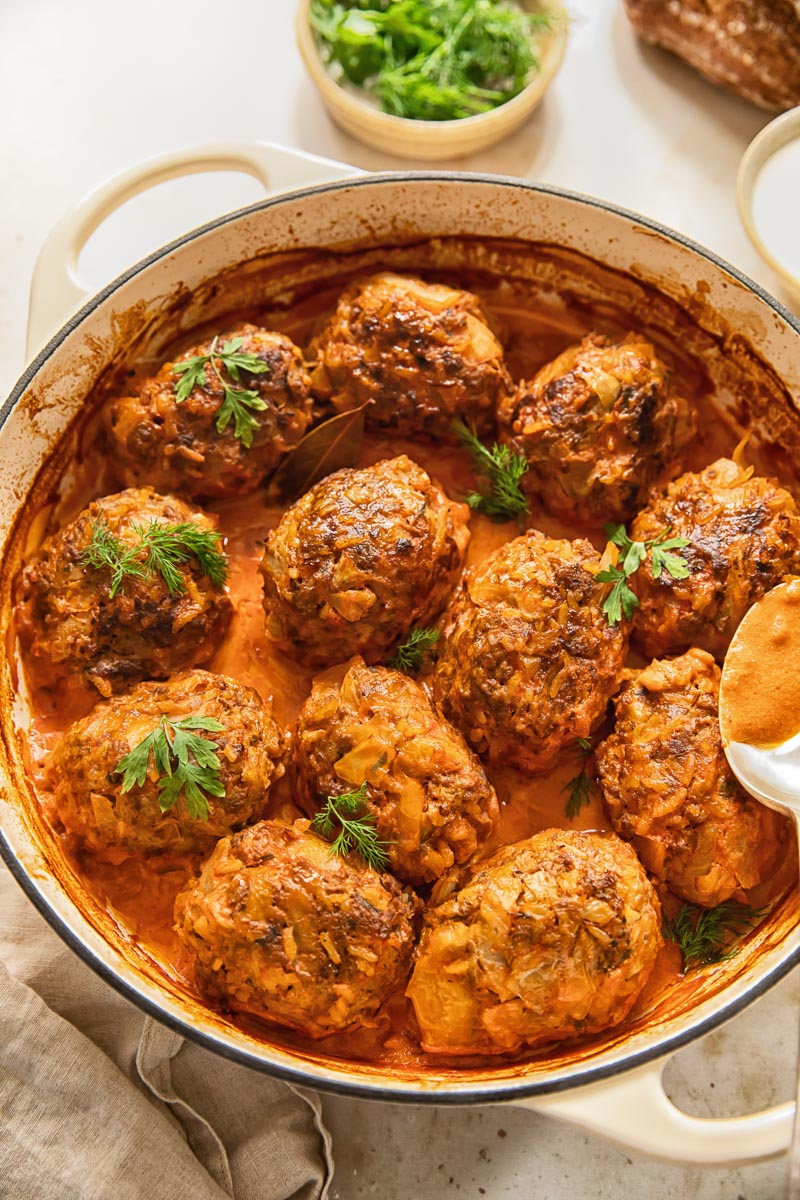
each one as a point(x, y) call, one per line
point(360, 559)
point(669, 791)
point(70, 620)
point(432, 802)
point(598, 427)
point(528, 659)
point(744, 536)
point(420, 355)
point(752, 48)
point(177, 447)
point(278, 926)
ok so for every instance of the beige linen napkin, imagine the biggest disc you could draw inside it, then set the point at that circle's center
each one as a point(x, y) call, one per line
point(99, 1102)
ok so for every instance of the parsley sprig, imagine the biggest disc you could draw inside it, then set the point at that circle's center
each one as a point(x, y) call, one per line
point(187, 764)
point(160, 549)
point(502, 499)
point(238, 404)
point(579, 789)
point(707, 935)
point(411, 654)
point(622, 600)
point(356, 828)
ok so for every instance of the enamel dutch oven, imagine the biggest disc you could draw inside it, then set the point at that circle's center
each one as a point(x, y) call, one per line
point(571, 250)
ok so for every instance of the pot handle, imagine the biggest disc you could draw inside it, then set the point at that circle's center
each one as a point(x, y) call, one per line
point(56, 289)
point(633, 1110)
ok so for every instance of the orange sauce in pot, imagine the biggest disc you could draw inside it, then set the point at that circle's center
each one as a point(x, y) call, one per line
point(138, 895)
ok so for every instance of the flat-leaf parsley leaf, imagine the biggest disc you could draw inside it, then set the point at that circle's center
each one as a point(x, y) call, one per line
point(186, 763)
point(238, 404)
point(622, 601)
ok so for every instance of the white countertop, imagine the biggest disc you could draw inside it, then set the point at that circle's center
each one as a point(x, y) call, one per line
point(90, 87)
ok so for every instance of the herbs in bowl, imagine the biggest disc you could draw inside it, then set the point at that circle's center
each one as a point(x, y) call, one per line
point(431, 60)
point(382, 64)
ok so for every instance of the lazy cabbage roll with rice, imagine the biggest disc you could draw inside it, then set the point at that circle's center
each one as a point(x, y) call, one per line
point(359, 560)
point(108, 793)
point(419, 355)
point(547, 939)
point(597, 428)
point(377, 732)
point(134, 588)
point(668, 788)
point(215, 422)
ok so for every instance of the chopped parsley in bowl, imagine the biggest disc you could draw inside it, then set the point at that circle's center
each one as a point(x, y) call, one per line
point(431, 60)
point(431, 79)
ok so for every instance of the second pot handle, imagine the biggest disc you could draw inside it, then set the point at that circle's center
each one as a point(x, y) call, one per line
point(56, 290)
point(634, 1111)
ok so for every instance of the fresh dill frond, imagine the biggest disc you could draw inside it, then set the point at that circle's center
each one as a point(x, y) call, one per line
point(708, 935)
point(159, 549)
point(356, 828)
point(238, 404)
point(579, 789)
point(187, 764)
point(105, 551)
point(622, 600)
point(169, 547)
point(411, 654)
point(502, 499)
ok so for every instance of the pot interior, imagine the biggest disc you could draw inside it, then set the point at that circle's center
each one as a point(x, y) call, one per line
point(576, 266)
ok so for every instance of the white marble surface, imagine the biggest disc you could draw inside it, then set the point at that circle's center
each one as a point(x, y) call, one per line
point(90, 87)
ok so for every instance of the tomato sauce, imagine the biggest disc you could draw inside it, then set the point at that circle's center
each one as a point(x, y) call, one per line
point(138, 896)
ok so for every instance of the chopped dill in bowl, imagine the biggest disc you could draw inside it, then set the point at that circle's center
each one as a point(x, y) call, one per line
point(430, 60)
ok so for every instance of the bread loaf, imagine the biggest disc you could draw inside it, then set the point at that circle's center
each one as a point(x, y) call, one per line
point(749, 46)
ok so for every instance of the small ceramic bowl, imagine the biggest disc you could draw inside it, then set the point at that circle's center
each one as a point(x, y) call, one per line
point(431, 140)
point(765, 145)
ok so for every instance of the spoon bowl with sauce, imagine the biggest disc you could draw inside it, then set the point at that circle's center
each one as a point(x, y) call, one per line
point(759, 720)
point(759, 700)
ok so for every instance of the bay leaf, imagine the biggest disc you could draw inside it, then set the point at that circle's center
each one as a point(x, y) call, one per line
point(334, 444)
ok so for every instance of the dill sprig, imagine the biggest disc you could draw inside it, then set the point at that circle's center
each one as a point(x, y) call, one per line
point(238, 404)
point(411, 654)
point(105, 550)
point(187, 764)
point(622, 600)
point(431, 60)
point(708, 935)
point(579, 789)
point(171, 546)
point(502, 499)
point(356, 828)
point(160, 549)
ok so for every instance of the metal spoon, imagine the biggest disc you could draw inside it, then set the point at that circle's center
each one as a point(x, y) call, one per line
point(772, 775)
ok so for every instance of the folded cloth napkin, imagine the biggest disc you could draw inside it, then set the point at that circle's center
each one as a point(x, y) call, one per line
point(98, 1101)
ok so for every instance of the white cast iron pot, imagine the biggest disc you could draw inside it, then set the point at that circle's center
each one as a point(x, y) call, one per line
point(612, 1087)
